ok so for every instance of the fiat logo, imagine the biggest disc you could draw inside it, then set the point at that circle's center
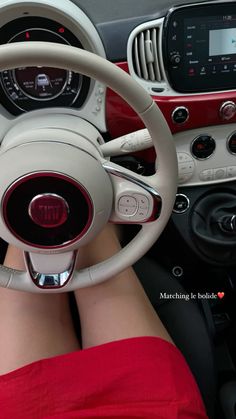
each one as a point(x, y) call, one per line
point(48, 210)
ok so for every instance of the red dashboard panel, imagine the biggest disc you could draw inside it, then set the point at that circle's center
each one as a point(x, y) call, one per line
point(204, 110)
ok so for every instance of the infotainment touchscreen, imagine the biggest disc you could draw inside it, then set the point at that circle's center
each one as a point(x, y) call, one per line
point(200, 47)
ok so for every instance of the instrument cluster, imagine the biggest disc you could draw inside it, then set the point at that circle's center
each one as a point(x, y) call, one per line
point(28, 88)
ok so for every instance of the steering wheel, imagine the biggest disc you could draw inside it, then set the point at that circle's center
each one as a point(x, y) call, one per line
point(57, 190)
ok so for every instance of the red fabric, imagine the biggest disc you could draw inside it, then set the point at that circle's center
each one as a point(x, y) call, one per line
point(144, 377)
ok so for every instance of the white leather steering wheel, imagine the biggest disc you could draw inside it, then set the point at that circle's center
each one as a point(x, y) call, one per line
point(63, 150)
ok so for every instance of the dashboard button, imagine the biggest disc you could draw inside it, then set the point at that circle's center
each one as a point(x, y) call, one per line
point(228, 110)
point(180, 115)
point(183, 157)
point(219, 173)
point(232, 143)
point(203, 147)
point(183, 178)
point(187, 167)
point(206, 175)
point(181, 204)
point(231, 171)
point(175, 59)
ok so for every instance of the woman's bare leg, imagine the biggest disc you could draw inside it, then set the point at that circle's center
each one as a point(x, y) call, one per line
point(117, 308)
point(32, 326)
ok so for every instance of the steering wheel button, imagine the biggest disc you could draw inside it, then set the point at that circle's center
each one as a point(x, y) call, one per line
point(142, 214)
point(128, 201)
point(127, 205)
point(123, 210)
point(48, 210)
point(143, 201)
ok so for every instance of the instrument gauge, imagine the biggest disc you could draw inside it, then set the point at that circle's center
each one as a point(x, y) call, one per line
point(29, 88)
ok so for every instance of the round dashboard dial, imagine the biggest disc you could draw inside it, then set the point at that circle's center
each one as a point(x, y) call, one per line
point(29, 88)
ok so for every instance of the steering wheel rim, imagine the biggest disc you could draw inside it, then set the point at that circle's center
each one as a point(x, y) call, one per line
point(164, 181)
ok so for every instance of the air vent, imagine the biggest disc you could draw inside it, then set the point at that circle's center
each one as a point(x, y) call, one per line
point(145, 55)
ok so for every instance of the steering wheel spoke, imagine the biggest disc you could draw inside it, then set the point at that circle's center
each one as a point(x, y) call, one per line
point(135, 200)
point(50, 271)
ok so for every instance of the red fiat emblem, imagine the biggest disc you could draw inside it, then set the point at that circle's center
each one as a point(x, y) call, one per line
point(48, 210)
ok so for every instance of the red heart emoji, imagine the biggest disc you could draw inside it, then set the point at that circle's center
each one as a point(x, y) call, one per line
point(220, 295)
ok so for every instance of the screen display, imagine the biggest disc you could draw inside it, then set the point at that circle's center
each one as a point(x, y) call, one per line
point(201, 48)
point(222, 42)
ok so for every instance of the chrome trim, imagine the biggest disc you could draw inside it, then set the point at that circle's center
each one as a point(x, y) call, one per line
point(50, 280)
point(232, 222)
point(115, 171)
point(188, 204)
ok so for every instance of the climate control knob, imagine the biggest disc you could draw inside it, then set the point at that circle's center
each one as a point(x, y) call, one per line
point(203, 146)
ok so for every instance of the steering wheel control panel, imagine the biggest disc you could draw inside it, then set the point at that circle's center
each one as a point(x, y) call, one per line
point(209, 157)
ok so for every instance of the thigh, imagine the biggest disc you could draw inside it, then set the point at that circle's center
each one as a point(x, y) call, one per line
point(32, 326)
point(117, 308)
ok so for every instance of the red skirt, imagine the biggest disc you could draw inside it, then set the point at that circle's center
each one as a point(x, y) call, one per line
point(143, 377)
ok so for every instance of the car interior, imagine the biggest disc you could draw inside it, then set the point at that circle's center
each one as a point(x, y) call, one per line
point(125, 112)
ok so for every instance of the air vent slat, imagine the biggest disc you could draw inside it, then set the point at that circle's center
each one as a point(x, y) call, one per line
point(143, 63)
point(136, 57)
point(155, 52)
point(145, 55)
point(149, 56)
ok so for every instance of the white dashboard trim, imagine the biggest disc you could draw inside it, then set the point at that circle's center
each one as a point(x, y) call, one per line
point(222, 160)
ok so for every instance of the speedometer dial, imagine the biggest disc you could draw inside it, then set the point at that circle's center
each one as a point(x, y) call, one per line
point(31, 88)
